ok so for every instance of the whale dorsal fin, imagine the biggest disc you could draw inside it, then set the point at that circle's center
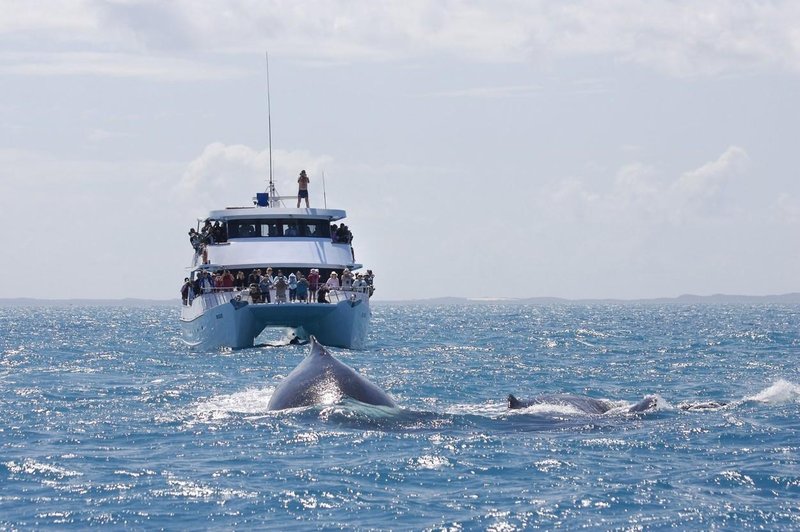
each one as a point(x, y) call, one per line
point(513, 402)
point(316, 347)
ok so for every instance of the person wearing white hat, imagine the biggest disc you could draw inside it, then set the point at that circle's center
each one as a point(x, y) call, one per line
point(333, 281)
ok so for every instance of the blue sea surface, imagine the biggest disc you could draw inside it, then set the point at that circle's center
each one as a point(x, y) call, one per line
point(106, 418)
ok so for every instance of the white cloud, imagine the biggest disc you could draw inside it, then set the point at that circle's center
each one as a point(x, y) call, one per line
point(634, 185)
point(114, 64)
point(703, 183)
point(46, 16)
point(226, 175)
point(645, 230)
point(637, 193)
point(679, 38)
point(786, 210)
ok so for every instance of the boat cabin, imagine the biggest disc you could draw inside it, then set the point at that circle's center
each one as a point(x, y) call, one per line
point(278, 237)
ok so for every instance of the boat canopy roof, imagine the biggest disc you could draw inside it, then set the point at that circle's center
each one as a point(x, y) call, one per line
point(261, 213)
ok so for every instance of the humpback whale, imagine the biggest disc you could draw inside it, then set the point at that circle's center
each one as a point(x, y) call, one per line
point(321, 378)
point(586, 405)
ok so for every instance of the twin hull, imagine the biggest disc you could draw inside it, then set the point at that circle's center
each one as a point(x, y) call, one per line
point(214, 320)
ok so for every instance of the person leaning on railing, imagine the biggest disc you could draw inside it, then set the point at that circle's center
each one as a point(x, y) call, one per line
point(333, 281)
point(186, 291)
point(239, 281)
point(227, 281)
point(302, 288)
point(313, 281)
point(360, 284)
point(322, 294)
point(206, 285)
point(346, 279)
point(280, 285)
point(264, 285)
point(292, 280)
point(255, 293)
point(195, 240)
point(370, 279)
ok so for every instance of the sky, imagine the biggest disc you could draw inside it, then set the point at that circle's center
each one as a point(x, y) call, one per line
point(498, 148)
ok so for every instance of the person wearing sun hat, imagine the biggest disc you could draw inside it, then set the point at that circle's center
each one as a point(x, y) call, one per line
point(360, 285)
point(346, 279)
point(292, 280)
point(333, 281)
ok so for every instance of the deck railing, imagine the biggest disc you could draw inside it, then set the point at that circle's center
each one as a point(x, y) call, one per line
point(220, 296)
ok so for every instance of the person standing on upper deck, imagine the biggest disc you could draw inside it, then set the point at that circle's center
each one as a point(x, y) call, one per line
point(302, 181)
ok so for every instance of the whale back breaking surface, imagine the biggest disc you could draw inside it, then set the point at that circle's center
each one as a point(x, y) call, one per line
point(583, 404)
point(322, 379)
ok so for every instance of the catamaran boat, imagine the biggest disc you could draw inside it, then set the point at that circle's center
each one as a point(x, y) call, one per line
point(268, 235)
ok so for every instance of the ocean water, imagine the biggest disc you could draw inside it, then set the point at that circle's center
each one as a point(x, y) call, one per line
point(107, 419)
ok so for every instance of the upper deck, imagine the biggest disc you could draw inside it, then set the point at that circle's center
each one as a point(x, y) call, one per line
point(251, 237)
point(266, 213)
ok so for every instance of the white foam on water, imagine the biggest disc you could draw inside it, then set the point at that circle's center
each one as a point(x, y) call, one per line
point(251, 401)
point(549, 464)
point(491, 410)
point(549, 408)
point(429, 461)
point(32, 467)
point(781, 392)
point(623, 407)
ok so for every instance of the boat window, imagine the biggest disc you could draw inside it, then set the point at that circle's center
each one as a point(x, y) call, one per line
point(316, 228)
point(269, 229)
point(242, 229)
point(290, 228)
point(279, 228)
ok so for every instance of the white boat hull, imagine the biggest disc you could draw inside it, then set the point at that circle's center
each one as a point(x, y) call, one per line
point(225, 320)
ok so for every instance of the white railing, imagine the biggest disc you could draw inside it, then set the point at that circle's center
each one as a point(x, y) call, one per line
point(220, 297)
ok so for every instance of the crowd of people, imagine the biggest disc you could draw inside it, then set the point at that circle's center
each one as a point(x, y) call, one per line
point(269, 286)
point(210, 233)
point(341, 234)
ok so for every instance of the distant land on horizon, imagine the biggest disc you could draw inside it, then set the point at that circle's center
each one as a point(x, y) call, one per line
point(686, 299)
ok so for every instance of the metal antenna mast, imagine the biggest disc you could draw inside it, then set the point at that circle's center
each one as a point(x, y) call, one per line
point(324, 193)
point(273, 193)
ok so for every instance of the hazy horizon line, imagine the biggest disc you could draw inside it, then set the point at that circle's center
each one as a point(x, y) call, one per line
point(789, 297)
